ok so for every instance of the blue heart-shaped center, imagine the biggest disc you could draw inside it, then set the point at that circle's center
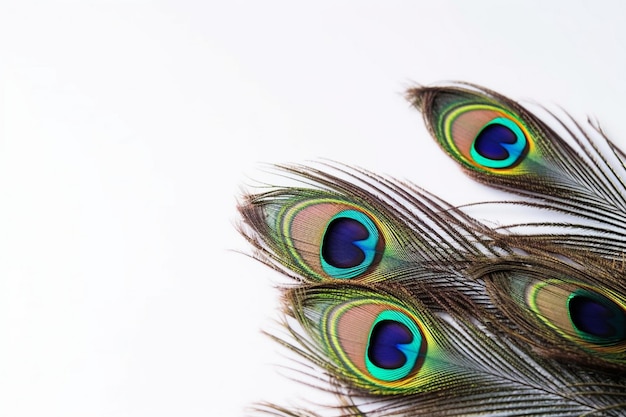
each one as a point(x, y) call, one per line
point(395, 346)
point(351, 244)
point(491, 140)
point(385, 344)
point(339, 248)
point(500, 144)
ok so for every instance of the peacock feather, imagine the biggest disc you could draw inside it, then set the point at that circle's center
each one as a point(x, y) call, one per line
point(411, 307)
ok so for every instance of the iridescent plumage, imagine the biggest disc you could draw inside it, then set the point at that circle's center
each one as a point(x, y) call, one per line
point(412, 307)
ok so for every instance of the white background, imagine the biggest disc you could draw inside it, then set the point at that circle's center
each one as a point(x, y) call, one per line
point(128, 127)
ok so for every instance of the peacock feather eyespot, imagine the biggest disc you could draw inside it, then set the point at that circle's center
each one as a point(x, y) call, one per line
point(486, 137)
point(556, 306)
point(392, 340)
point(332, 238)
point(380, 343)
point(593, 317)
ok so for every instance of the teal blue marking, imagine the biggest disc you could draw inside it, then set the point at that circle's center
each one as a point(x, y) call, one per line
point(410, 350)
point(515, 150)
point(368, 246)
